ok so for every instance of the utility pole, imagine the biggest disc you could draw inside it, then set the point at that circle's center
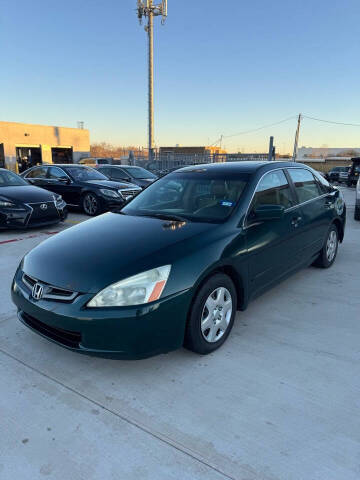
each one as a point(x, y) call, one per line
point(146, 8)
point(297, 138)
point(271, 149)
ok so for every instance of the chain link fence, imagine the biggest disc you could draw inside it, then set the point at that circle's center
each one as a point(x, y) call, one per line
point(168, 162)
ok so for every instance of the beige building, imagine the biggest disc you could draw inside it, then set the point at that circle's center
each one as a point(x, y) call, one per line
point(23, 145)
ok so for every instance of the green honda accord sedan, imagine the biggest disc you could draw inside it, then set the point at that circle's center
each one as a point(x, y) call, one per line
point(174, 265)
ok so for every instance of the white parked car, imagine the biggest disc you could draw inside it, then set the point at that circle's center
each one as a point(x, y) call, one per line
point(357, 201)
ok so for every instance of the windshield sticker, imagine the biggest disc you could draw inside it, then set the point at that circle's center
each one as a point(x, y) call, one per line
point(226, 204)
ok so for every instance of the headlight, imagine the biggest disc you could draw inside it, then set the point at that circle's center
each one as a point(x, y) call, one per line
point(109, 193)
point(6, 203)
point(143, 288)
point(58, 200)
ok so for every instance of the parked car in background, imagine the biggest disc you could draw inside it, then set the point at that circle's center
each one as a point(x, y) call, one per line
point(23, 206)
point(357, 201)
point(126, 173)
point(82, 186)
point(333, 174)
point(344, 176)
point(174, 266)
point(95, 161)
point(354, 172)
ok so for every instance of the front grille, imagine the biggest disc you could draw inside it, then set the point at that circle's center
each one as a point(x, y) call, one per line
point(39, 215)
point(50, 292)
point(65, 337)
point(129, 193)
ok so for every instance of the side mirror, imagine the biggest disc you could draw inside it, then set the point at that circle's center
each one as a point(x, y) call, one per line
point(269, 212)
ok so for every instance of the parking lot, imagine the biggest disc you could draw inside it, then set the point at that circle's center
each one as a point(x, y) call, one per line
point(279, 401)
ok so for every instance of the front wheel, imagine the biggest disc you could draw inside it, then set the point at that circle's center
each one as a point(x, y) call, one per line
point(329, 251)
point(91, 204)
point(212, 315)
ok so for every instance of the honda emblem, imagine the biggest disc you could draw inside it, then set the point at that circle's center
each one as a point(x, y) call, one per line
point(37, 291)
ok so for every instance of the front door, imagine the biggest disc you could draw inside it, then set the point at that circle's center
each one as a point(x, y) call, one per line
point(60, 183)
point(272, 245)
point(37, 177)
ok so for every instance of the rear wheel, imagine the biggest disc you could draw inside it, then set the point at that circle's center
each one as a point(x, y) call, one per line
point(212, 315)
point(329, 251)
point(91, 204)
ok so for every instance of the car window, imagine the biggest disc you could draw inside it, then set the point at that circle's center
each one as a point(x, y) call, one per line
point(273, 189)
point(56, 172)
point(105, 171)
point(305, 184)
point(118, 174)
point(39, 172)
point(199, 197)
point(139, 172)
point(10, 179)
point(83, 173)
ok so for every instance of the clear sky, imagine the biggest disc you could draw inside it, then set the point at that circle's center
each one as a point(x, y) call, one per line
point(220, 68)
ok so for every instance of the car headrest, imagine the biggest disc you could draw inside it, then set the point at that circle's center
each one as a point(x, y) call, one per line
point(218, 189)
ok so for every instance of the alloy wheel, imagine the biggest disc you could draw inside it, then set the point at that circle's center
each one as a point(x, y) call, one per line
point(216, 315)
point(331, 245)
point(90, 204)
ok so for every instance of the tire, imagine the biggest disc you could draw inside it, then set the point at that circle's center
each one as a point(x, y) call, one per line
point(357, 213)
point(329, 251)
point(91, 204)
point(207, 329)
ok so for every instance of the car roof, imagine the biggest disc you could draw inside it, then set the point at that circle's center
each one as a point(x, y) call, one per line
point(239, 167)
point(64, 165)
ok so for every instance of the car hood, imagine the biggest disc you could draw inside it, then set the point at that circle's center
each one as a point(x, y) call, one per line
point(110, 184)
point(109, 248)
point(26, 194)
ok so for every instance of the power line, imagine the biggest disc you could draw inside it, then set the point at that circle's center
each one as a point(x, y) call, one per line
point(331, 121)
point(260, 128)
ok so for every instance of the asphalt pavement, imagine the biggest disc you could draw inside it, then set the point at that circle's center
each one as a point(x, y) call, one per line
point(279, 401)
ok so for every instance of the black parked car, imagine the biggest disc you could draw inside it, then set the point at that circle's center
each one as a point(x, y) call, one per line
point(22, 205)
point(353, 172)
point(126, 173)
point(82, 186)
point(180, 259)
point(333, 174)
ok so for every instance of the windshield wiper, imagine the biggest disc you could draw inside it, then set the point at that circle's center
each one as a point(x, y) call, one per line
point(166, 216)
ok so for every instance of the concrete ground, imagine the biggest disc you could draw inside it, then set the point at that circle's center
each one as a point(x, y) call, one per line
point(279, 401)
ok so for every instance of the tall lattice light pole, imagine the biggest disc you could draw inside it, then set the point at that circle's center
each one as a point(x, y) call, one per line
point(146, 8)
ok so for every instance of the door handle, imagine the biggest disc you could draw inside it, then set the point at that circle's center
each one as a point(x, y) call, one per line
point(295, 221)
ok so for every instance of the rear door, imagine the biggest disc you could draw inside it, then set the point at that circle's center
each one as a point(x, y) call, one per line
point(273, 246)
point(316, 211)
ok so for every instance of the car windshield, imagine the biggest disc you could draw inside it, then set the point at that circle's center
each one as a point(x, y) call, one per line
point(10, 179)
point(195, 196)
point(82, 174)
point(138, 172)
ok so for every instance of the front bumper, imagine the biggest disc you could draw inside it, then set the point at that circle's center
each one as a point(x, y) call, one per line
point(24, 217)
point(126, 332)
